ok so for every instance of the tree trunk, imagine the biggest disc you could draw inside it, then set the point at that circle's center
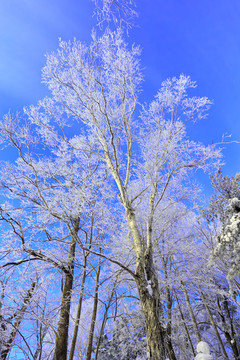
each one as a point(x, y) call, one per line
point(16, 325)
point(214, 326)
point(103, 323)
point(229, 337)
point(147, 284)
point(145, 276)
point(154, 331)
point(61, 342)
point(79, 309)
point(168, 337)
point(94, 313)
point(194, 321)
point(38, 352)
point(185, 326)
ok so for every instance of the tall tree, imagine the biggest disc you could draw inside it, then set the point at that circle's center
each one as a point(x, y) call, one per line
point(51, 200)
point(147, 158)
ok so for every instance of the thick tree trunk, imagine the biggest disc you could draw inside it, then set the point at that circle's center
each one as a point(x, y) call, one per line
point(61, 342)
point(145, 277)
point(147, 284)
point(154, 331)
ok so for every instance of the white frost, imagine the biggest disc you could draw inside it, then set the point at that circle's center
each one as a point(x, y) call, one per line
point(149, 288)
point(202, 356)
point(203, 351)
point(202, 347)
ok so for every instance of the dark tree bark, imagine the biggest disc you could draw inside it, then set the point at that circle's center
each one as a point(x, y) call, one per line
point(94, 313)
point(168, 336)
point(214, 326)
point(185, 326)
point(79, 310)
point(104, 323)
point(61, 342)
point(230, 337)
point(194, 320)
point(17, 323)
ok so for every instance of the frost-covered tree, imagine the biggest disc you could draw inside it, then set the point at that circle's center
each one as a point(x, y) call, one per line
point(224, 210)
point(12, 316)
point(221, 233)
point(125, 339)
point(117, 156)
point(229, 239)
point(121, 12)
point(99, 86)
point(51, 199)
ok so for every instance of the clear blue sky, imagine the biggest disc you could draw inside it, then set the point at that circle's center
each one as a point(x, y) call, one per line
point(200, 38)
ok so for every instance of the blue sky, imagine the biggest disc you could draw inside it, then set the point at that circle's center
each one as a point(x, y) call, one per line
point(200, 38)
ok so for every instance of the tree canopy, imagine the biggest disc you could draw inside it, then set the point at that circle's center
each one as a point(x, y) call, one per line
point(107, 250)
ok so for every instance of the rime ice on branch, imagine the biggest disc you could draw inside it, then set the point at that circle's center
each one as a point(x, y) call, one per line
point(229, 238)
point(140, 159)
point(120, 12)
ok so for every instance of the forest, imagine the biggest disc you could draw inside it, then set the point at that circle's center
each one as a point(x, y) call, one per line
point(109, 250)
